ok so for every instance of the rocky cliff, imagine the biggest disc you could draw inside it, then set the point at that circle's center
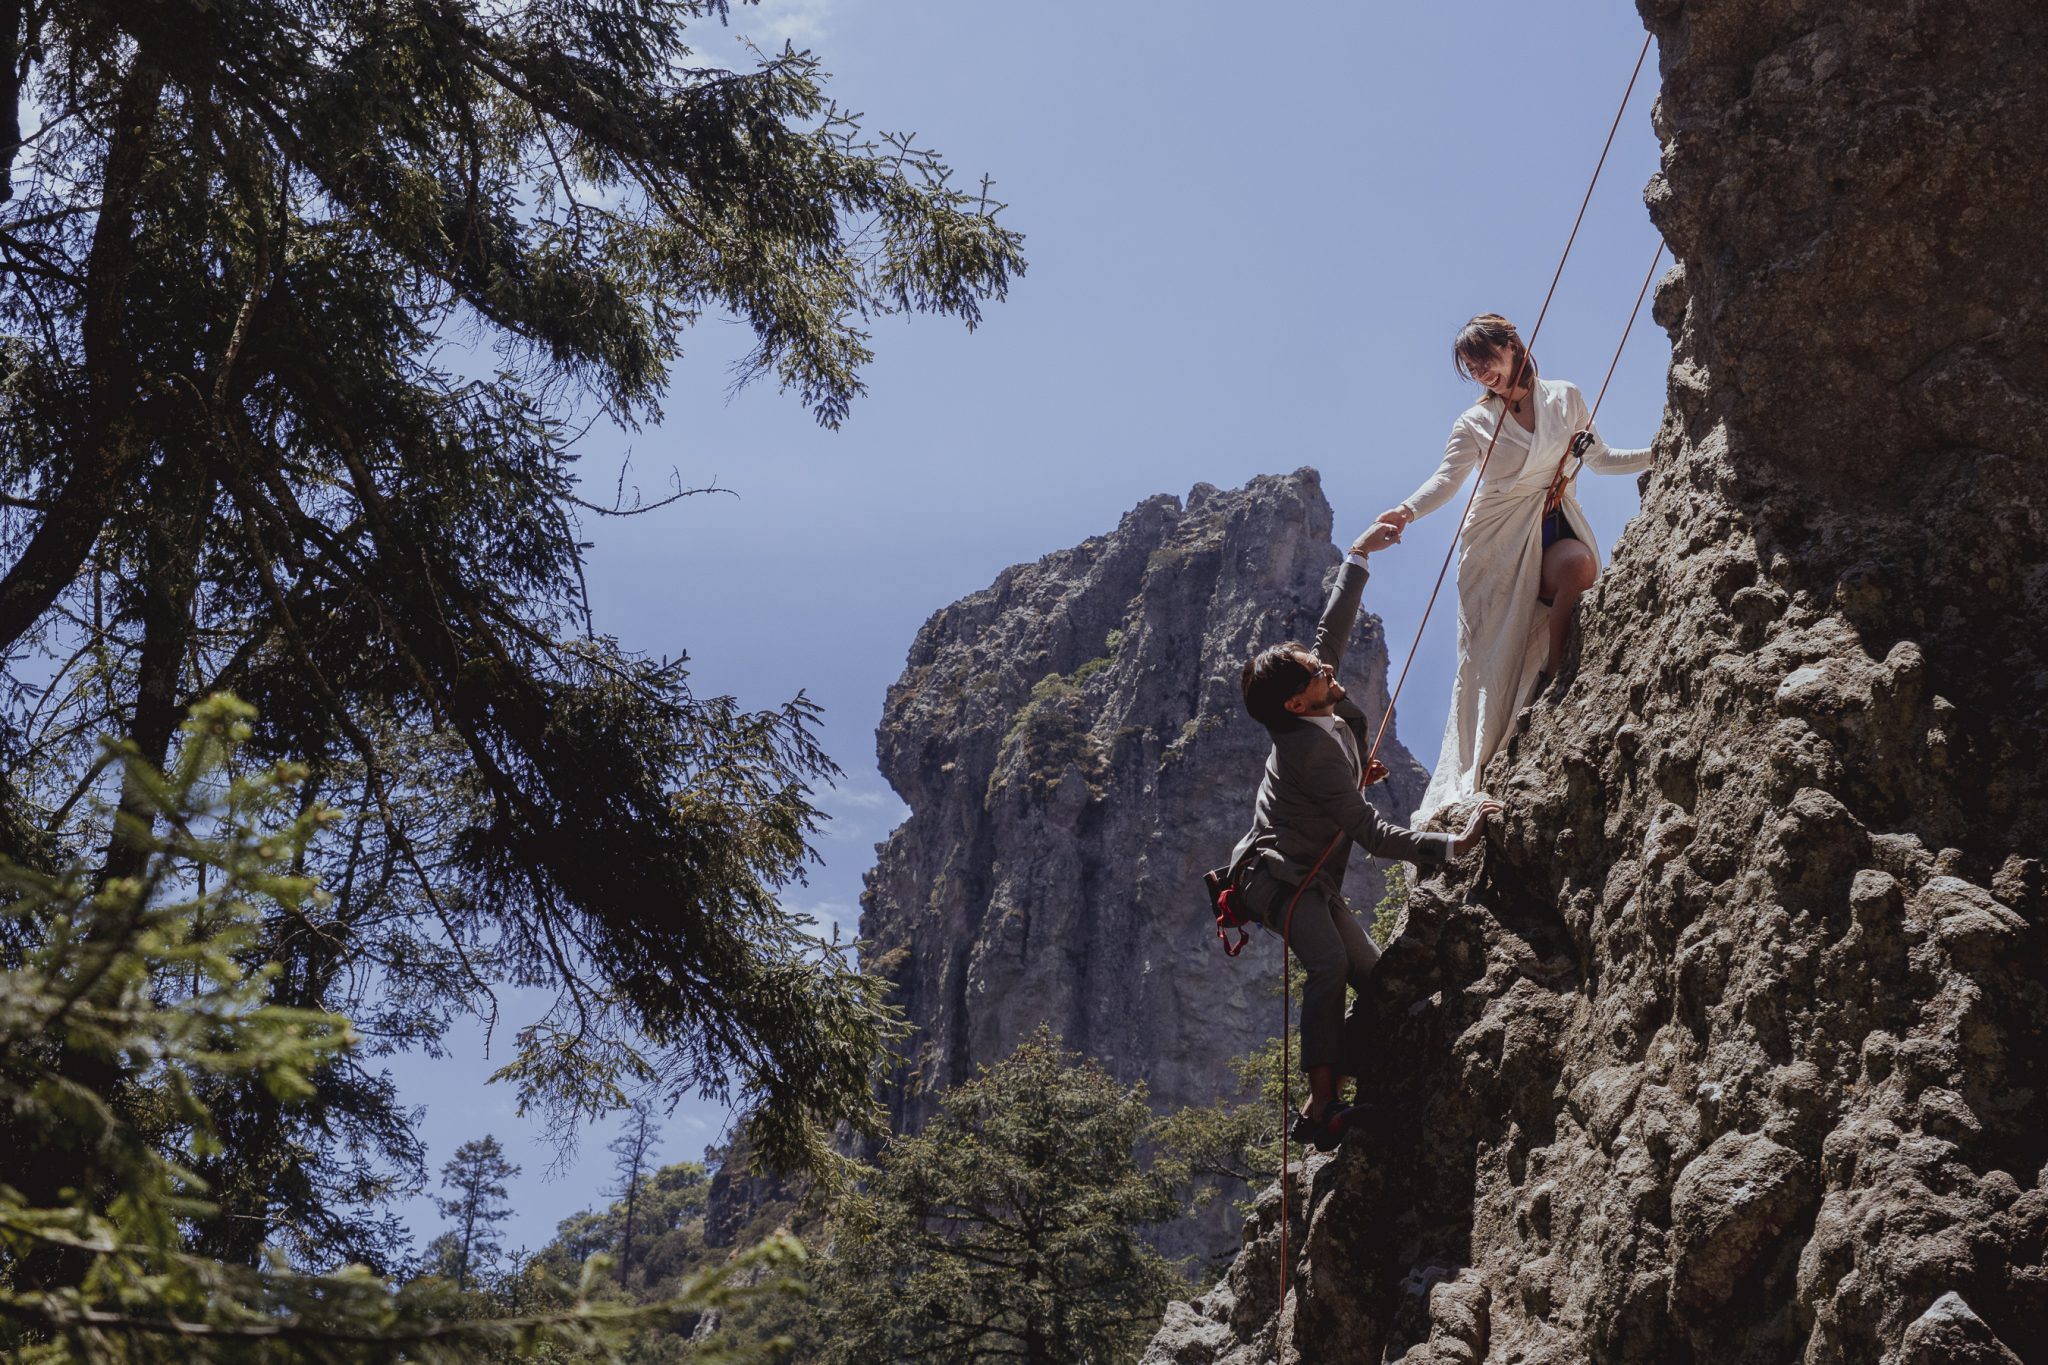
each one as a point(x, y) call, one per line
point(1074, 752)
point(1732, 1047)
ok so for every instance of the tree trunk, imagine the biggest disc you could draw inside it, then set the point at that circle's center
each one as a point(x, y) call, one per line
point(13, 43)
point(109, 445)
point(626, 1247)
point(468, 1233)
point(182, 496)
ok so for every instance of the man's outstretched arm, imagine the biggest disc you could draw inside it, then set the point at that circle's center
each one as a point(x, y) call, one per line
point(1332, 788)
point(1340, 613)
point(1335, 790)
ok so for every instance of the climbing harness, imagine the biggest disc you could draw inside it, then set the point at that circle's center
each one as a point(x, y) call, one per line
point(1386, 717)
point(1575, 449)
point(1229, 908)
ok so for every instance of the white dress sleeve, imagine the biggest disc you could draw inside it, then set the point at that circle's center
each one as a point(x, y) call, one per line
point(1602, 458)
point(1461, 453)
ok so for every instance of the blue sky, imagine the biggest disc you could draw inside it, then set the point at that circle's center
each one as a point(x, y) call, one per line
point(1252, 232)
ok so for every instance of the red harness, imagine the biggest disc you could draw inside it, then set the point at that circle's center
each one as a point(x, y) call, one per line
point(1230, 910)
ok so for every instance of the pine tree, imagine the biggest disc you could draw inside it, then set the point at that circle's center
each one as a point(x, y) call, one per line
point(235, 455)
point(477, 1173)
point(632, 1150)
point(1008, 1229)
point(1233, 1145)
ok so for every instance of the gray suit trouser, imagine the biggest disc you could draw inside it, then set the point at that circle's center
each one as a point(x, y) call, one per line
point(1334, 950)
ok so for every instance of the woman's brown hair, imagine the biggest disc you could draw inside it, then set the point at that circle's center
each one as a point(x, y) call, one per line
point(1480, 338)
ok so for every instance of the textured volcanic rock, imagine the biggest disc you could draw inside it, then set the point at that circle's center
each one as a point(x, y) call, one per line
point(1074, 752)
point(1732, 1047)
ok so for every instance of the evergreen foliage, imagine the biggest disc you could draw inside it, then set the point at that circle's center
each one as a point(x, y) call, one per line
point(669, 1221)
point(768, 1316)
point(303, 304)
point(131, 1004)
point(1386, 915)
point(1233, 1145)
point(1009, 1228)
point(632, 1149)
point(477, 1173)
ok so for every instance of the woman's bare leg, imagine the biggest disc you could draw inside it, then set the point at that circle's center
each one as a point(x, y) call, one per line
point(1568, 570)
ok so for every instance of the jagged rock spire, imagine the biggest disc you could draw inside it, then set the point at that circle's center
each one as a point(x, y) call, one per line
point(1074, 752)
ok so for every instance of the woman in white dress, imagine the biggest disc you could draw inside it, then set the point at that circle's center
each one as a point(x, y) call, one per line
point(1522, 566)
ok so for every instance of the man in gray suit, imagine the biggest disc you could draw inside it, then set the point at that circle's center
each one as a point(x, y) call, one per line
point(1312, 801)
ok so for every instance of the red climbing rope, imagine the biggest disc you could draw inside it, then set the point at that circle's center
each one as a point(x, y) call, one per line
point(1386, 718)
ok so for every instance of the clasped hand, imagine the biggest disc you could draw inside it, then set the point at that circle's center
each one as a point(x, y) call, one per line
point(1378, 536)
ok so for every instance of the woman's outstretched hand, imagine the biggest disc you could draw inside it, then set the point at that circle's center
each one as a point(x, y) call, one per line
point(1378, 537)
point(1476, 826)
point(1396, 517)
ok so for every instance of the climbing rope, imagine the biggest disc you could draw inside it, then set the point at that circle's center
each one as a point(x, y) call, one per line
point(1578, 443)
point(1528, 346)
point(1386, 718)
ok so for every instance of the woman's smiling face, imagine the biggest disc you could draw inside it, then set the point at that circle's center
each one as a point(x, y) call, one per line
point(1498, 369)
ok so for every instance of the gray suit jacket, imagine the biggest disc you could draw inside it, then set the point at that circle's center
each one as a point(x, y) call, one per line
point(1310, 792)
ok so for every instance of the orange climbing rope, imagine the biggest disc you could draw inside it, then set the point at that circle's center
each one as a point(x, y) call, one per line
point(1386, 718)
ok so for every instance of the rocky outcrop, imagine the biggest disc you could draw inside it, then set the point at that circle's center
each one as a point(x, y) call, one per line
point(1074, 751)
point(739, 1195)
point(1731, 1048)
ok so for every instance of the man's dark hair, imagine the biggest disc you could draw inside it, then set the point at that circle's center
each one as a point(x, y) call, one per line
point(1273, 675)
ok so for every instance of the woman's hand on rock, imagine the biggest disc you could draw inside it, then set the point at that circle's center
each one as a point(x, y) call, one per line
point(1474, 828)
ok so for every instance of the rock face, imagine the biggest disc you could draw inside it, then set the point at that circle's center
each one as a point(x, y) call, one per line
point(1074, 751)
point(1732, 1046)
